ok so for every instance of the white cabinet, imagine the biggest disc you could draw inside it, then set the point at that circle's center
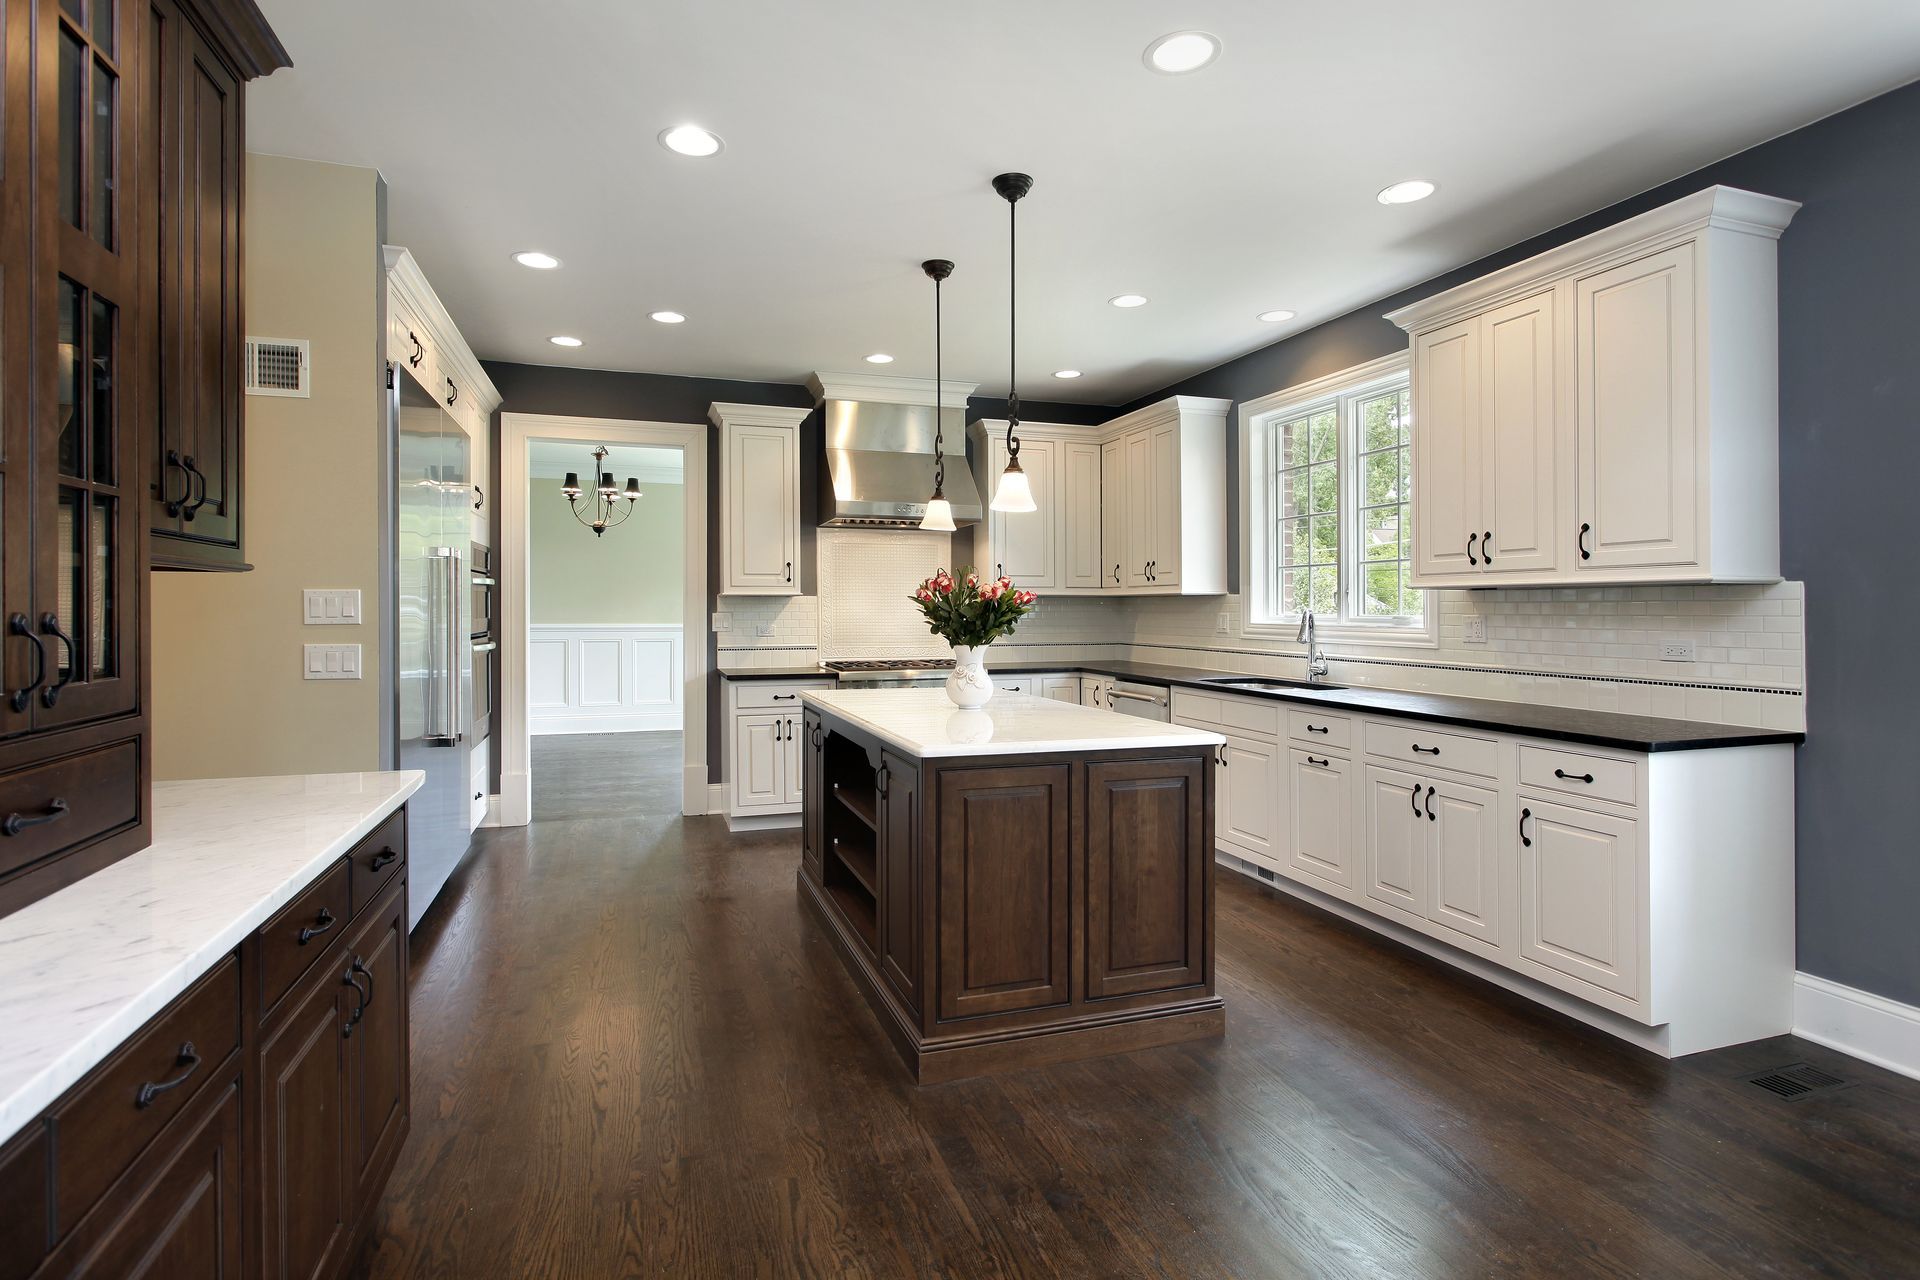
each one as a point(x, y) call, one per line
point(1580, 894)
point(1396, 835)
point(1113, 516)
point(1060, 688)
point(423, 338)
point(1025, 545)
point(1012, 684)
point(759, 499)
point(765, 727)
point(1463, 860)
point(1081, 515)
point(1321, 810)
point(1248, 809)
point(1608, 411)
point(1093, 691)
point(758, 772)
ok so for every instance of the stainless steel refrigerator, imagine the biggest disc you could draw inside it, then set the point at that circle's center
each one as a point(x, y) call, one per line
point(433, 666)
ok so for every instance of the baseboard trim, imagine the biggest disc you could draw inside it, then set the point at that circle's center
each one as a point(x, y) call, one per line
point(1857, 1023)
point(719, 797)
point(624, 722)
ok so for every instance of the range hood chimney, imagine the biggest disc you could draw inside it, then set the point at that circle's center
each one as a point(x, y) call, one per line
point(878, 434)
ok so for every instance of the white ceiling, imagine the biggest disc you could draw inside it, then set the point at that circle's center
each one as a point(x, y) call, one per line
point(861, 134)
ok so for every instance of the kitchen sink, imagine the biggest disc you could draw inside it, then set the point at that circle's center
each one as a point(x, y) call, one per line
point(1268, 684)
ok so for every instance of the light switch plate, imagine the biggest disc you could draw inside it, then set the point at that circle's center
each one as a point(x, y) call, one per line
point(332, 607)
point(333, 661)
point(1476, 632)
point(722, 622)
point(1223, 624)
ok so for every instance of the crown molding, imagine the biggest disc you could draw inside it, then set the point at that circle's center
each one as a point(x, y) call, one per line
point(404, 274)
point(881, 389)
point(726, 413)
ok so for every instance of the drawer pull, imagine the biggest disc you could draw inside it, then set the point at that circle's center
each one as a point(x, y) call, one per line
point(385, 858)
point(1318, 728)
point(1525, 839)
point(14, 823)
point(1430, 814)
point(188, 1061)
point(365, 994)
point(1317, 760)
point(1426, 751)
point(786, 697)
point(1564, 776)
point(321, 923)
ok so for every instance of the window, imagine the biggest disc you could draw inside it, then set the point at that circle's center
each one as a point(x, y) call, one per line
point(1329, 473)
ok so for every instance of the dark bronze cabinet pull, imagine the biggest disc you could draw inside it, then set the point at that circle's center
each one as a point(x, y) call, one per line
point(381, 859)
point(175, 506)
point(786, 697)
point(453, 393)
point(1116, 575)
point(321, 923)
point(1585, 529)
point(1486, 546)
point(1416, 799)
point(479, 497)
point(14, 823)
point(999, 568)
point(196, 489)
point(813, 736)
point(188, 1062)
point(359, 966)
point(17, 625)
point(1471, 539)
point(881, 781)
point(1318, 728)
point(1426, 751)
point(362, 996)
point(1430, 817)
point(419, 351)
point(1525, 839)
point(789, 571)
point(1564, 776)
point(1317, 760)
point(50, 625)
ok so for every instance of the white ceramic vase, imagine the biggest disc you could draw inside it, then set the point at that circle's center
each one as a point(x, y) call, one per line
point(968, 687)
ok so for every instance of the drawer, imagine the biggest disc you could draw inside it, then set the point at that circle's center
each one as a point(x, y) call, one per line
point(1196, 708)
point(1259, 718)
point(301, 933)
point(103, 1125)
point(92, 793)
point(1316, 727)
point(1419, 744)
point(769, 695)
point(1012, 684)
point(1575, 773)
point(377, 859)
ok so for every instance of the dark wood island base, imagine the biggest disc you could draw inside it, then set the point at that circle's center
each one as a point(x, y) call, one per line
point(1016, 907)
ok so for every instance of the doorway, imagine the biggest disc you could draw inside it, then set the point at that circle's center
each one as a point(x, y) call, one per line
point(604, 638)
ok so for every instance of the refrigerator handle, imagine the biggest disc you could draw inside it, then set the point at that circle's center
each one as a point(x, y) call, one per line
point(443, 654)
point(455, 726)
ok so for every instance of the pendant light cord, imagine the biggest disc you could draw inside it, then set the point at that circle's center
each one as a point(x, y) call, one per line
point(1013, 320)
point(939, 417)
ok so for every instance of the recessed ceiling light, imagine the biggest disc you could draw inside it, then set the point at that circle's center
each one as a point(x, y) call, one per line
point(667, 317)
point(562, 340)
point(1129, 300)
point(1067, 373)
point(537, 260)
point(1181, 52)
point(690, 140)
point(1274, 317)
point(879, 357)
point(1406, 192)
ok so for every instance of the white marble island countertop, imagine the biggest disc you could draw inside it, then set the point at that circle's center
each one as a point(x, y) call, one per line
point(924, 724)
point(84, 968)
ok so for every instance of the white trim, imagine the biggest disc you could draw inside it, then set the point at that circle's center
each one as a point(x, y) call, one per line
point(719, 797)
point(1252, 417)
point(517, 431)
point(1858, 1023)
point(404, 273)
point(879, 388)
point(647, 656)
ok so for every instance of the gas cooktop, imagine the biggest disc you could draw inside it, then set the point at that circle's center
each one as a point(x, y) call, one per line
point(859, 668)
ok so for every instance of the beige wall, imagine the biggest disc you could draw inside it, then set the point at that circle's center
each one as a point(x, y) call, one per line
point(228, 695)
point(631, 574)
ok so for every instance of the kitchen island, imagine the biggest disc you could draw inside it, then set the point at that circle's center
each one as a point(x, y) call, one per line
point(1027, 884)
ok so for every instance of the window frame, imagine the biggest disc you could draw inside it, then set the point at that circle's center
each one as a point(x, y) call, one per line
point(1258, 550)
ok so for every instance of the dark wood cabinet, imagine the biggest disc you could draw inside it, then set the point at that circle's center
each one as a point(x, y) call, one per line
point(305, 1181)
point(1147, 908)
point(121, 158)
point(377, 1052)
point(900, 933)
point(812, 795)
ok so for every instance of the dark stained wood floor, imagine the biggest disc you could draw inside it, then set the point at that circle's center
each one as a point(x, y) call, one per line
point(635, 1055)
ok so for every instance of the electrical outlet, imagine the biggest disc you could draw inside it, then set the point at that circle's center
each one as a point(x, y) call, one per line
point(333, 661)
point(722, 622)
point(763, 629)
point(1676, 651)
point(332, 608)
point(1476, 631)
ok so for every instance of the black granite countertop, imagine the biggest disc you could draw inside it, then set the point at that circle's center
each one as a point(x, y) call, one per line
point(1561, 724)
point(808, 672)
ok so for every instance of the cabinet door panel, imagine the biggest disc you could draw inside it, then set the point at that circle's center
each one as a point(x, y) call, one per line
point(1080, 516)
point(303, 1174)
point(1147, 855)
point(378, 1059)
point(1396, 839)
point(1025, 543)
point(1164, 459)
point(792, 757)
point(1446, 449)
point(813, 793)
point(1521, 530)
point(1116, 498)
point(1141, 517)
point(1005, 924)
point(1579, 894)
point(1249, 796)
point(1634, 356)
point(757, 761)
point(763, 470)
point(17, 365)
point(1463, 844)
point(900, 937)
point(1321, 804)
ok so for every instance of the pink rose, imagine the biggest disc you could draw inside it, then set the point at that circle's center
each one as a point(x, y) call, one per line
point(992, 590)
point(923, 595)
point(973, 579)
point(1026, 597)
point(1004, 583)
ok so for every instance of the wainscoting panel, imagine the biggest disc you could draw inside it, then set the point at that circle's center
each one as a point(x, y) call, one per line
point(604, 678)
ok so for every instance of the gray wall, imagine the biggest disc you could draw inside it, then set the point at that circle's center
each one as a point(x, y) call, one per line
point(661, 397)
point(1849, 458)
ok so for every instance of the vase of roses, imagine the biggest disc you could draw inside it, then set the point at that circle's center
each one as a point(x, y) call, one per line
point(970, 615)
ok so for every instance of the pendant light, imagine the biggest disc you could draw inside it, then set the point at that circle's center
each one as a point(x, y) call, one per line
point(604, 510)
point(1014, 493)
point(939, 517)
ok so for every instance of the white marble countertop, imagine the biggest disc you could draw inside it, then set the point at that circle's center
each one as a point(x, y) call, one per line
point(84, 968)
point(924, 724)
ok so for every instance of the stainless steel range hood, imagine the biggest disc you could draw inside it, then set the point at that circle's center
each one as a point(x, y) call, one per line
point(879, 447)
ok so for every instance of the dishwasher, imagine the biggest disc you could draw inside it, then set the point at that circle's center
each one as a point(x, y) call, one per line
point(1145, 701)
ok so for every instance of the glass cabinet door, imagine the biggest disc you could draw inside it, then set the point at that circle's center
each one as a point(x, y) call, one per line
point(16, 363)
point(86, 507)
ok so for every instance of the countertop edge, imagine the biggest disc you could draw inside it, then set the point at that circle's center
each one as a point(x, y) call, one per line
point(35, 1094)
point(1147, 740)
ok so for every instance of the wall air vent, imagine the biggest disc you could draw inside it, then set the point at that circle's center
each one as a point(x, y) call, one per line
point(278, 367)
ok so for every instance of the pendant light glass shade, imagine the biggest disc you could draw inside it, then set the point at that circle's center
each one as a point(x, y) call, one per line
point(939, 517)
point(1014, 493)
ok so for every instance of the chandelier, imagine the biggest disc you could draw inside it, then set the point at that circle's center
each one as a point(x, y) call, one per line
point(604, 510)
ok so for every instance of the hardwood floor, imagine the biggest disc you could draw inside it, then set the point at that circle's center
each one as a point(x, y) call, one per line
point(634, 1055)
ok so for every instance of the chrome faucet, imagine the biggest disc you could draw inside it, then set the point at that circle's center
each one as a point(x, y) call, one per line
point(1316, 660)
